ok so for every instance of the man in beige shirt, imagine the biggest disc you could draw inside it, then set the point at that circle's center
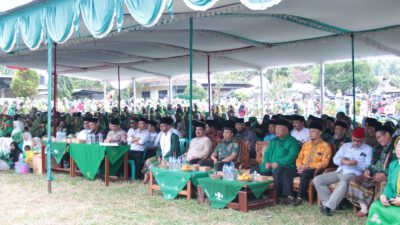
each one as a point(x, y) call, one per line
point(200, 146)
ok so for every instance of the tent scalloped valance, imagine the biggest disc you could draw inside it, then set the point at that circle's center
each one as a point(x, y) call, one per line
point(57, 19)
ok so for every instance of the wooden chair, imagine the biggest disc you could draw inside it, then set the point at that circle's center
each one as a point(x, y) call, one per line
point(261, 146)
point(244, 161)
point(311, 189)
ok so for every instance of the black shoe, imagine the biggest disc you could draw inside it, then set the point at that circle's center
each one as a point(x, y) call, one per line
point(327, 211)
point(285, 201)
point(298, 202)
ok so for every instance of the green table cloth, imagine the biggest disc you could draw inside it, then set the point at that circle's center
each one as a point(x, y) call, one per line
point(88, 157)
point(221, 192)
point(172, 182)
point(58, 149)
point(115, 157)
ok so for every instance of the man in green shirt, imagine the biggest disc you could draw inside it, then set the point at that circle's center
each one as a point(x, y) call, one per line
point(281, 154)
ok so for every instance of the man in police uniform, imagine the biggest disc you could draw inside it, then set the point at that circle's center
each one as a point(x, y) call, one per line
point(116, 134)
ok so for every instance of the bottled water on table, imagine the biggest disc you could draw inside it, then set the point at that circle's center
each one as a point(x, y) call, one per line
point(100, 138)
point(170, 163)
point(225, 171)
point(232, 171)
point(88, 139)
point(179, 163)
point(93, 138)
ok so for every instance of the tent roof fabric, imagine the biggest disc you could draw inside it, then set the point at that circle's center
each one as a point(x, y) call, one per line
point(233, 36)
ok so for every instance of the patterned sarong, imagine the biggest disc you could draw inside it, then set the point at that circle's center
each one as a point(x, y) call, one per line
point(362, 189)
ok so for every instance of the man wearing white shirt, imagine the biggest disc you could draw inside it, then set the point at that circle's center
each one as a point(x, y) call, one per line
point(300, 132)
point(200, 146)
point(173, 130)
point(82, 134)
point(138, 139)
point(352, 159)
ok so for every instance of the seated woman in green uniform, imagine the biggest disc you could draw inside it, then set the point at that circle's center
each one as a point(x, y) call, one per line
point(386, 210)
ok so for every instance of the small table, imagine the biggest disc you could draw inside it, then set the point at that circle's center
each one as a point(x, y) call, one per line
point(173, 183)
point(89, 157)
point(238, 194)
point(58, 149)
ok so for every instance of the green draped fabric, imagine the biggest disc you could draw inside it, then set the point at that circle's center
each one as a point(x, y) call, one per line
point(172, 182)
point(115, 157)
point(221, 192)
point(58, 150)
point(88, 158)
point(56, 19)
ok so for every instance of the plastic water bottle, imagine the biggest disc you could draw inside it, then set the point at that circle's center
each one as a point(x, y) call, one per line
point(57, 136)
point(93, 137)
point(88, 139)
point(225, 171)
point(100, 138)
point(170, 163)
point(233, 171)
point(179, 164)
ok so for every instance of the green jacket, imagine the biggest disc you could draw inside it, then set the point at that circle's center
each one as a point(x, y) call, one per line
point(391, 186)
point(175, 147)
point(283, 151)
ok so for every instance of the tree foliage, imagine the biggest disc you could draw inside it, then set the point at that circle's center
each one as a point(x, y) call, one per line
point(25, 83)
point(64, 87)
point(338, 76)
point(279, 79)
point(198, 93)
point(94, 85)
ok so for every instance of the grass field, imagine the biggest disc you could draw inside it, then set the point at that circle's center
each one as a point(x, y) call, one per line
point(24, 200)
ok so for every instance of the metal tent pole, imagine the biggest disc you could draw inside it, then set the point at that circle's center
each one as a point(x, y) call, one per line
point(55, 90)
point(49, 75)
point(134, 91)
point(354, 80)
point(119, 92)
point(191, 77)
point(170, 94)
point(209, 85)
point(322, 79)
point(105, 93)
point(262, 93)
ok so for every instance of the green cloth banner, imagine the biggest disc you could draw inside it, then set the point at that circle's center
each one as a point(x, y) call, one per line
point(172, 182)
point(88, 158)
point(58, 149)
point(221, 192)
point(115, 157)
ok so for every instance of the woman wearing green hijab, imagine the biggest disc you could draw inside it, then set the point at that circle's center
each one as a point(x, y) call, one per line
point(386, 210)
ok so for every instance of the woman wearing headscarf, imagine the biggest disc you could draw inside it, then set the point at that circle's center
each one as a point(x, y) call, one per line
point(8, 160)
point(386, 210)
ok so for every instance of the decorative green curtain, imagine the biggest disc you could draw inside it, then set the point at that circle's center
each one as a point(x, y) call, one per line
point(259, 4)
point(200, 5)
point(58, 19)
point(31, 29)
point(146, 12)
point(8, 33)
point(98, 16)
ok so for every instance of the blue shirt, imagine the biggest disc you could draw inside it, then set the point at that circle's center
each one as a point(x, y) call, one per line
point(269, 137)
point(363, 156)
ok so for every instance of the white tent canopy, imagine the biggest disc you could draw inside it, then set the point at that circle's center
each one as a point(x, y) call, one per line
point(235, 38)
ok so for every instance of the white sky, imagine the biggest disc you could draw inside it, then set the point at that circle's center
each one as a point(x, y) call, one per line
point(7, 5)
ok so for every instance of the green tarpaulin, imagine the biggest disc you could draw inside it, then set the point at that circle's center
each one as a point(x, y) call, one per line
point(221, 192)
point(172, 182)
